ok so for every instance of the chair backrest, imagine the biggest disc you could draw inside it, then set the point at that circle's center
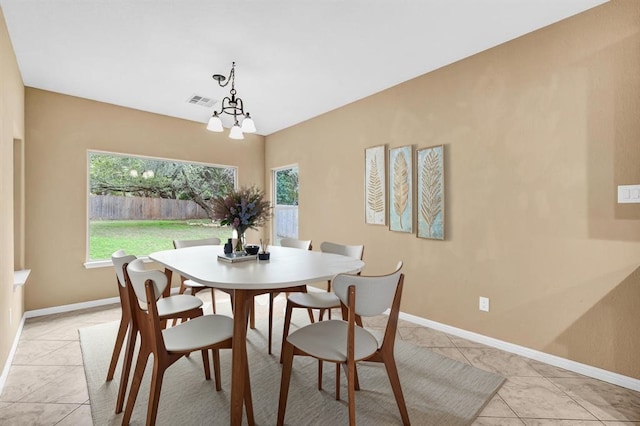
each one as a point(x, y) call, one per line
point(119, 259)
point(138, 276)
point(352, 251)
point(374, 294)
point(292, 242)
point(213, 241)
point(145, 289)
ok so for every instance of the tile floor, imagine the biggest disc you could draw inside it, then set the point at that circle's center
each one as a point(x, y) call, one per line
point(46, 384)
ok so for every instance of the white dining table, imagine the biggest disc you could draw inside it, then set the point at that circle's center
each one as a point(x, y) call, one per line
point(287, 267)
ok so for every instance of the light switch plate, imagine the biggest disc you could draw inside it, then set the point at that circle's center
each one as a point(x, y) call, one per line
point(628, 194)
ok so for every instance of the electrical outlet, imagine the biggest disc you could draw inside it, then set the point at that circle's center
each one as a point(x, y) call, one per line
point(484, 304)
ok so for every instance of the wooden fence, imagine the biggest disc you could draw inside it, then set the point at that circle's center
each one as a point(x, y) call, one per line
point(286, 221)
point(109, 207)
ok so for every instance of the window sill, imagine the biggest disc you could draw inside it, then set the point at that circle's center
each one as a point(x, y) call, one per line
point(94, 264)
point(20, 277)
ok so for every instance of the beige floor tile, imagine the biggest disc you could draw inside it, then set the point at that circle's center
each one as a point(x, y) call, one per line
point(538, 398)
point(603, 400)
point(554, 422)
point(23, 380)
point(453, 353)
point(551, 371)
point(69, 354)
point(497, 408)
point(70, 388)
point(497, 421)
point(464, 343)
point(425, 337)
point(379, 321)
point(39, 414)
point(499, 362)
point(81, 416)
point(30, 351)
point(616, 423)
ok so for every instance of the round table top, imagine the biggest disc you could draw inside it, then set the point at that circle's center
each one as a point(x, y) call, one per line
point(287, 267)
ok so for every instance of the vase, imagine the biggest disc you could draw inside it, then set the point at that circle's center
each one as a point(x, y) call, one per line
point(240, 241)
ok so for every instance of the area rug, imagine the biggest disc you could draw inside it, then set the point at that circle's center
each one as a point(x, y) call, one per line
point(438, 390)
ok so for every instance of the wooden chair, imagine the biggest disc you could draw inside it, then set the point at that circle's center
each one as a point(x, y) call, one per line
point(204, 333)
point(345, 343)
point(192, 286)
point(179, 306)
point(293, 243)
point(321, 301)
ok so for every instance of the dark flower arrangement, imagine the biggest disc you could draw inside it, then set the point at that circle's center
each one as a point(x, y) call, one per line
point(242, 209)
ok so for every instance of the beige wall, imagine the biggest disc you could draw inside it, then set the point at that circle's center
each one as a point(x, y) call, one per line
point(11, 129)
point(60, 130)
point(537, 132)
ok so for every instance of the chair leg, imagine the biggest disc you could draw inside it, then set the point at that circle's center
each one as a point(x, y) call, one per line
point(141, 363)
point(248, 401)
point(271, 297)
point(351, 392)
point(205, 363)
point(216, 368)
point(154, 392)
point(337, 381)
point(122, 332)
point(252, 314)
point(213, 300)
point(356, 382)
point(287, 324)
point(287, 364)
point(328, 291)
point(126, 366)
point(392, 372)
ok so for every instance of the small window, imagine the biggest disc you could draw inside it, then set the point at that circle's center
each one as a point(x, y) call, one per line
point(142, 204)
point(286, 203)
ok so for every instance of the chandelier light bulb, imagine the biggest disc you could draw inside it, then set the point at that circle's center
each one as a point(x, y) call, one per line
point(236, 132)
point(248, 126)
point(215, 124)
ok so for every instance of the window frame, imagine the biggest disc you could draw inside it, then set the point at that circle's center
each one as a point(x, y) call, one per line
point(101, 263)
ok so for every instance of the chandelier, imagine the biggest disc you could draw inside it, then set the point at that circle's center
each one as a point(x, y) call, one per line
point(233, 106)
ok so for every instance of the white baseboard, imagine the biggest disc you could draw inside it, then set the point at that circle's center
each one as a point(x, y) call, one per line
point(12, 353)
point(78, 306)
point(71, 307)
point(576, 367)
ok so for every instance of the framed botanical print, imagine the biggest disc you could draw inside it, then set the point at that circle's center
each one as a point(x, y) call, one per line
point(375, 178)
point(400, 189)
point(430, 188)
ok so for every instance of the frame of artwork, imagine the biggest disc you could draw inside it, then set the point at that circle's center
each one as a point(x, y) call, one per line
point(375, 188)
point(430, 189)
point(401, 189)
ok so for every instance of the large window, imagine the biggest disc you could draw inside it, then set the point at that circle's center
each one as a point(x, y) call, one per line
point(285, 216)
point(142, 204)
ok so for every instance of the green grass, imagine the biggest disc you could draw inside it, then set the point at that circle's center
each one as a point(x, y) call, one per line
point(141, 237)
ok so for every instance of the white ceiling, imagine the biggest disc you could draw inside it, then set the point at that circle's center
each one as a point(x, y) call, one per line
point(295, 59)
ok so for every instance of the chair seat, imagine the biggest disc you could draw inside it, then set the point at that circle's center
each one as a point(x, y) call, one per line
point(191, 283)
point(176, 304)
point(197, 333)
point(327, 340)
point(316, 300)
